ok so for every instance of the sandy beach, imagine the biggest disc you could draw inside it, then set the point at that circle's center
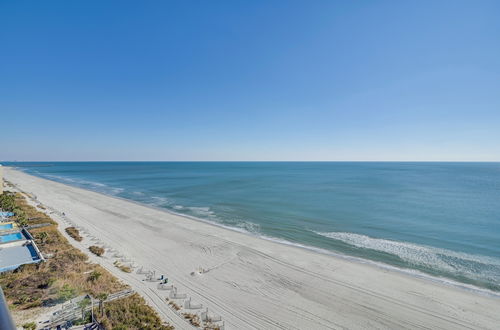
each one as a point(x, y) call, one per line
point(254, 283)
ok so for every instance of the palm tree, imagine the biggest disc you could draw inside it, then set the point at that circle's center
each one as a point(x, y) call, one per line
point(20, 214)
point(83, 304)
point(102, 296)
point(22, 222)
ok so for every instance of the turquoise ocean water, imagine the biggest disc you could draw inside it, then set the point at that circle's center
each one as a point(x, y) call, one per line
point(438, 219)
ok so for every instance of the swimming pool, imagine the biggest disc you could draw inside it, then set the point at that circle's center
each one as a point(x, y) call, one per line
point(11, 237)
point(6, 226)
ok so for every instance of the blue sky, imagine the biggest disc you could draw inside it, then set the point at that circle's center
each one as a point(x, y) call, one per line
point(250, 80)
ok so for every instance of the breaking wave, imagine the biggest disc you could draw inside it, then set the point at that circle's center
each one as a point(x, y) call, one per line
point(475, 267)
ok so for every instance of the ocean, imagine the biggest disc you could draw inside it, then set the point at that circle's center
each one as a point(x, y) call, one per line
point(429, 219)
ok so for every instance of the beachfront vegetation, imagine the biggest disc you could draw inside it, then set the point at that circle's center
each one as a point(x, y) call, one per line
point(67, 273)
point(65, 293)
point(94, 276)
point(7, 201)
point(122, 267)
point(130, 313)
point(84, 304)
point(61, 277)
point(42, 237)
point(174, 305)
point(101, 297)
point(192, 318)
point(98, 251)
point(74, 233)
point(29, 326)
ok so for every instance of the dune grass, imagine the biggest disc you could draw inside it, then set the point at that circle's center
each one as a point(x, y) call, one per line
point(74, 233)
point(130, 313)
point(98, 251)
point(192, 318)
point(123, 268)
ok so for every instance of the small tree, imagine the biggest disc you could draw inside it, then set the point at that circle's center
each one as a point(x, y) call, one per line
point(66, 292)
point(83, 304)
point(20, 217)
point(29, 326)
point(19, 212)
point(94, 276)
point(22, 222)
point(43, 237)
point(7, 202)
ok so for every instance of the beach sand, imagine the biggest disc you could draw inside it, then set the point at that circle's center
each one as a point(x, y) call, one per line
point(254, 283)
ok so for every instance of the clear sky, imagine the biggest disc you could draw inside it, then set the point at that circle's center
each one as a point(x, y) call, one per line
point(250, 80)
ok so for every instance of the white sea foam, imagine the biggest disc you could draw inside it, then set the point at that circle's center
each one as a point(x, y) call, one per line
point(408, 271)
point(201, 211)
point(159, 201)
point(469, 265)
point(249, 227)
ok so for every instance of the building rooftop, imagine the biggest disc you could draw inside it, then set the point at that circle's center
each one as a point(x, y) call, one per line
point(17, 253)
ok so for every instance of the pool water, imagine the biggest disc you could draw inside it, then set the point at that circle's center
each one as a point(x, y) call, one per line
point(34, 254)
point(10, 237)
point(6, 226)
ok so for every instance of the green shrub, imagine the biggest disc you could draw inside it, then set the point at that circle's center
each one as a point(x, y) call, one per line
point(66, 293)
point(94, 276)
point(7, 201)
point(130, 313)
point(29, 326)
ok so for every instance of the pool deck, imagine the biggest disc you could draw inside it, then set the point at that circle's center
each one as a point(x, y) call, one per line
point(18, 252)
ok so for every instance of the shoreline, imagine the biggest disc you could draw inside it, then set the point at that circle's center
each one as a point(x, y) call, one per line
point(306, 259)
point(378, 264)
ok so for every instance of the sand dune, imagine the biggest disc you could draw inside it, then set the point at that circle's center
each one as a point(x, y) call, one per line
point(259, 284)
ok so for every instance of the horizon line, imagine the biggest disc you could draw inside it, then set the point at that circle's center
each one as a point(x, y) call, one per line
point(249, 161)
